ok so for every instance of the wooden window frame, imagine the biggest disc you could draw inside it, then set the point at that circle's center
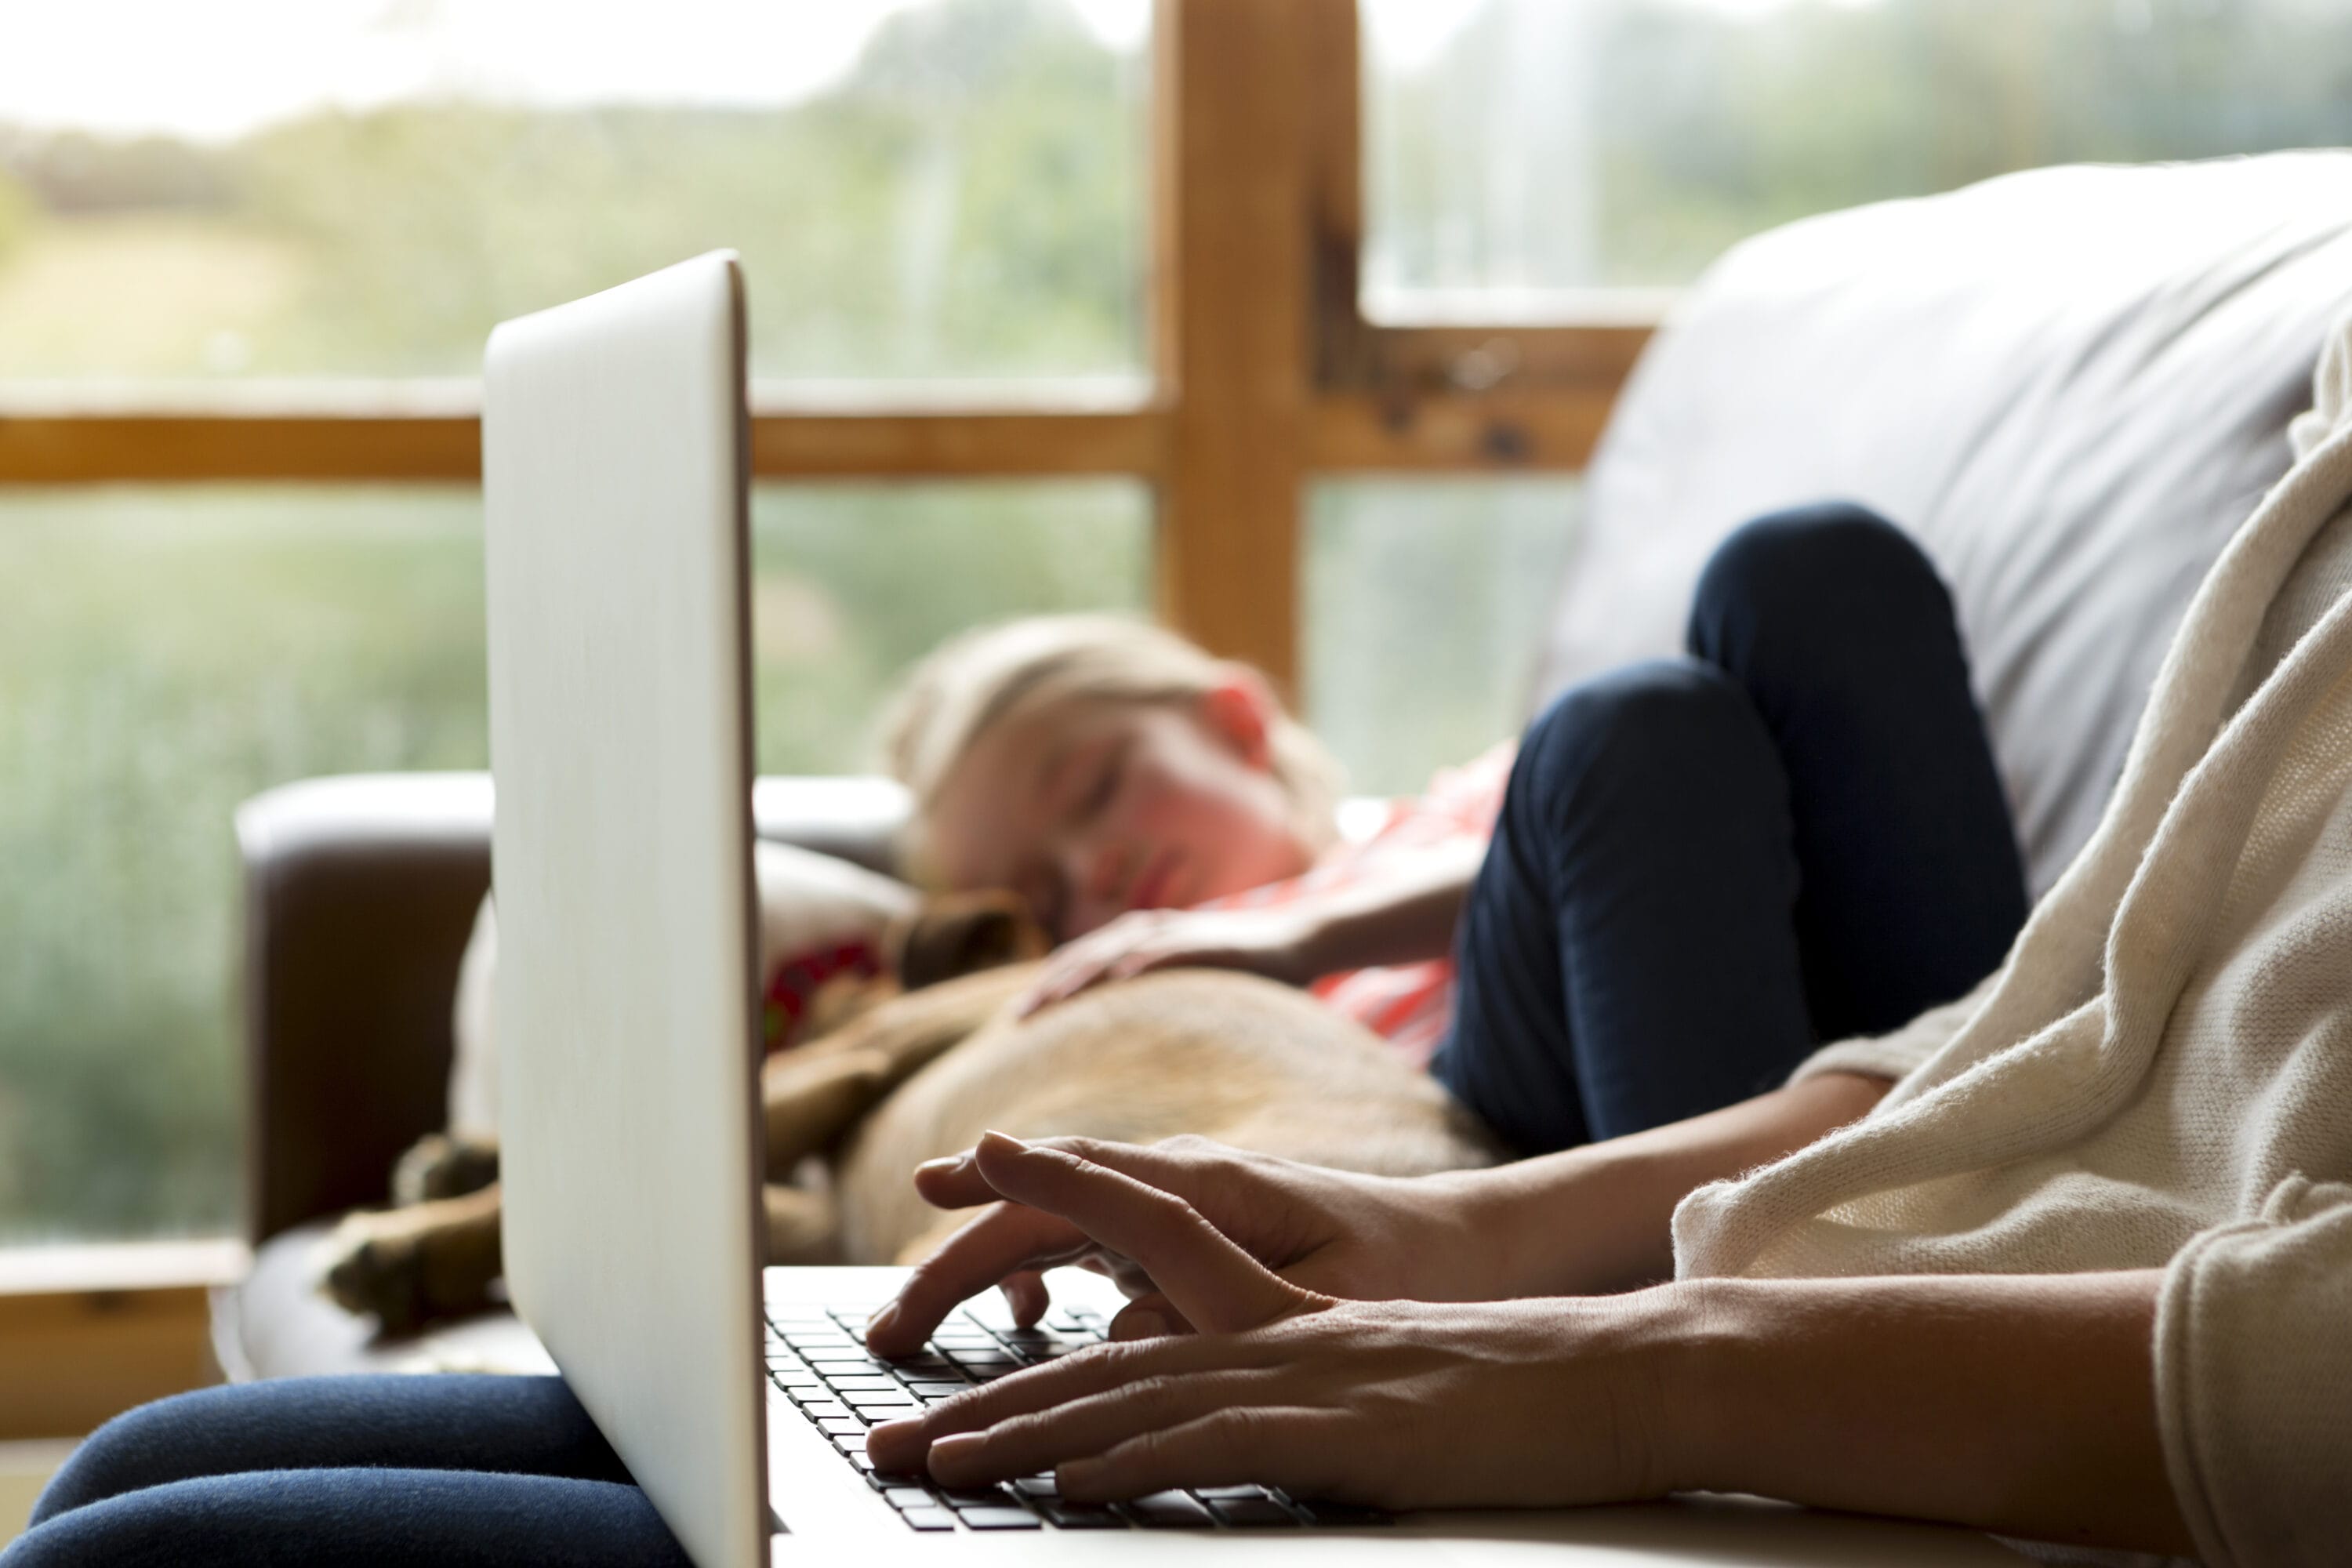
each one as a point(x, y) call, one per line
point(1267, 375)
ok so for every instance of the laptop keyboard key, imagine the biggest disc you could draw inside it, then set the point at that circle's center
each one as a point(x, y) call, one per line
point(1169, 1511)
point(844, 1390)
point(1339, 1514)
point(999, 1518)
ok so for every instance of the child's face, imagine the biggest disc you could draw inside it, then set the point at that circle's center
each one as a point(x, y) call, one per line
point(1095, 808)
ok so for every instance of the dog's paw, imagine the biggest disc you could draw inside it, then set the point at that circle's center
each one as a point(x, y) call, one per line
point(368, 1267)
point(440, 1166)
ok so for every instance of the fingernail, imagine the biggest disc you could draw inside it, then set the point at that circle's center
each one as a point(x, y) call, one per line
point(881, 1322)
point(1005, 1142)
point(944, 1162)
point(957, 1449)
point(1145, 1325)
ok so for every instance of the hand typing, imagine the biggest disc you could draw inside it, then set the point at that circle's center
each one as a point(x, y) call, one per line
point(1402, 1404)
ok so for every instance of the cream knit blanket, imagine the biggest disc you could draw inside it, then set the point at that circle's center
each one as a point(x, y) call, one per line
point(2161, 1073)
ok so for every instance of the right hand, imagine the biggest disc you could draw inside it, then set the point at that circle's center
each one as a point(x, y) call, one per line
point(1336, 1232)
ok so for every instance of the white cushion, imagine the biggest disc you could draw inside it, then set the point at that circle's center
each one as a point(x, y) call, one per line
point(2070, 384)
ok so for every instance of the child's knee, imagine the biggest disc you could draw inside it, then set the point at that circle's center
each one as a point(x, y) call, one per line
point(1659, 721)
point(1782, 597)
point(1809, 555)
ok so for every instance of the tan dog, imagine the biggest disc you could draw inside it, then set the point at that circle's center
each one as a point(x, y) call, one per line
point(1237, 1058)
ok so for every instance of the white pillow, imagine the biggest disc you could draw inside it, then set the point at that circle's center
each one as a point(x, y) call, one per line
point(812, 910)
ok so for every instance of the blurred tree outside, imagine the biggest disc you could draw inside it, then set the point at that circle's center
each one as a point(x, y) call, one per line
point(167, 652)
point(1565, 144)
point(967, 201)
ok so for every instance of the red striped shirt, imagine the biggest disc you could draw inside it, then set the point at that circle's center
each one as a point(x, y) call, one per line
point(1410, 1005)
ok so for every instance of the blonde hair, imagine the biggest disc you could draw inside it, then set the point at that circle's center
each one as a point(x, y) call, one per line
point(982, 678)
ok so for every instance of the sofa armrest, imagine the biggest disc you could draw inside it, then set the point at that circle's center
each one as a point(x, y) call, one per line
point(360, 894)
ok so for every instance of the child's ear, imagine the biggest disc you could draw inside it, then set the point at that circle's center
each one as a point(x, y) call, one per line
point(1240, 711)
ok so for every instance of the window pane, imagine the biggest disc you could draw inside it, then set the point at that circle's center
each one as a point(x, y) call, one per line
point(167, 652)
point(1520, 146)
point(1426, 604)
point(919, 188)
point(162, 655)
point(855, 581)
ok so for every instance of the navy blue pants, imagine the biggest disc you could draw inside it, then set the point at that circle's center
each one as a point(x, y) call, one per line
point(1703, 866)
point(349, 1472)
point(1706, 866)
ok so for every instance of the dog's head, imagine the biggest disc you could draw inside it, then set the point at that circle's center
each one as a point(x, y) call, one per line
point(949, 935)
point(962, 933)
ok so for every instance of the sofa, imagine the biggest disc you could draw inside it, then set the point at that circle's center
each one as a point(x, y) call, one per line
point(2070, 384)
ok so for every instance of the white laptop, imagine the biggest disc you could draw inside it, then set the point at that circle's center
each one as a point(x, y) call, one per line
point(615, 472)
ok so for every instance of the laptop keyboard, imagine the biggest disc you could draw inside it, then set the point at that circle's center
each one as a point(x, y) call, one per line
point(816, 1355)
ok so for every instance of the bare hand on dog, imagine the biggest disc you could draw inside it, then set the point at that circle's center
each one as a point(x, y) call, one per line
point(1404, 1404)
point(1271, 943)
point(1333, 1232)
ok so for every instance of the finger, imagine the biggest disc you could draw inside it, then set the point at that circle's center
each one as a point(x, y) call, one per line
point(1026, 1293)
point(1007, 1240)
point(956, 1181)
point(1050, 990)
point(1299, 1450)
point(953, 1182)
point(1147, 1317)
point(1136, 963)
point(900, 1446)
point(1051, 984)
point(1080, 1428)
point(1085, 976)
point(989, 1250)
point(1210, 1279)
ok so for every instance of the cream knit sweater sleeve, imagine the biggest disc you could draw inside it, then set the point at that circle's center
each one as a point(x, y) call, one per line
point(2159, 1077)
point(2254, 1382)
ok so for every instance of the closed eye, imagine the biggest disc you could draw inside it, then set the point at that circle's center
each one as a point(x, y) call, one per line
point(1104, 785)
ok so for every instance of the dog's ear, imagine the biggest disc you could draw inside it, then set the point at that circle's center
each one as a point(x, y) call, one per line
point(962, 933)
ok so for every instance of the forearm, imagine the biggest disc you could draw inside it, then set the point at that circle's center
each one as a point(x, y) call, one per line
point(2019, 1404)
point(1595, 1218)
point(1406, 915)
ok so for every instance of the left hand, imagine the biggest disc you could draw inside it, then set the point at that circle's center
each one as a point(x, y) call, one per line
point(1399, 1404)
point(1270, 941)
